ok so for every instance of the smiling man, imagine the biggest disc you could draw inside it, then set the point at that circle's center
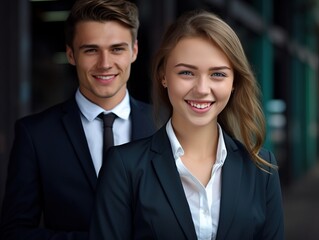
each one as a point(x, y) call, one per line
point(57, 154)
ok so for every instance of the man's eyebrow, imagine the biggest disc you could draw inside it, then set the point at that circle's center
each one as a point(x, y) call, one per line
point(122, 44)
point(88, 46)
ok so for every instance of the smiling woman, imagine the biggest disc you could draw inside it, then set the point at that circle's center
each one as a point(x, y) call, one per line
point(204, 174)
point(198, 73)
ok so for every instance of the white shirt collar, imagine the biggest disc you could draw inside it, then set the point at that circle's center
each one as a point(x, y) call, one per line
point(90, 110)
point(175, 145)
point(178, 151)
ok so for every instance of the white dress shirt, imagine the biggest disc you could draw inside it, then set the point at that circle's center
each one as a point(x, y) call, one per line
point(93, 125)
point(204, 202)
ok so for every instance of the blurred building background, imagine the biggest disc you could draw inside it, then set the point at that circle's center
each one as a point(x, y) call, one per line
point(280, 38)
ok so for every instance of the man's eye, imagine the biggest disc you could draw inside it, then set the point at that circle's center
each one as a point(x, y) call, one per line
point(90, 50)
point(116, 50)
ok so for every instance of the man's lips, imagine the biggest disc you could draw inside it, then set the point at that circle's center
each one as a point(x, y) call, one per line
point(105, 77)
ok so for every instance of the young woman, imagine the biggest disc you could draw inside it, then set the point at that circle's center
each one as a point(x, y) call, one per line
point(204, 174)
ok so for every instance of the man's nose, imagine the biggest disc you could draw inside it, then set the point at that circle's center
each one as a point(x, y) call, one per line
point(105, 60)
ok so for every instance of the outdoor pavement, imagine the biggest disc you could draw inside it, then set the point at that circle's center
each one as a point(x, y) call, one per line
point(301, 207)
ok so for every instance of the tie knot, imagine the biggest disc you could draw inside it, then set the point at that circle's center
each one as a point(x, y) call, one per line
point(108, 119)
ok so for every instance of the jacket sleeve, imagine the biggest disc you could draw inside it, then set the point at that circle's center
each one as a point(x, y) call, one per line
point(23, 201)
point(274, 225)
point(112, 215)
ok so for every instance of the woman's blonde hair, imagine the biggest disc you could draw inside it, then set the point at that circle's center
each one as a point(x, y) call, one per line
point(243, 117)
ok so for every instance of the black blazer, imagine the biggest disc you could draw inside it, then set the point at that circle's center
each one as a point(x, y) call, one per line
point(51, 174)
point(140, 195)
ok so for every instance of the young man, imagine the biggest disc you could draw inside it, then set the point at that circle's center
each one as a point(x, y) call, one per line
point(57, 154)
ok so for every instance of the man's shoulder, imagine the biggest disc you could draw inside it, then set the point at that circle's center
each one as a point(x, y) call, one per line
point(50, 113)
point(140, 104)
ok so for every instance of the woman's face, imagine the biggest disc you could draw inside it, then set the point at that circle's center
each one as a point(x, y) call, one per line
point(199, 79)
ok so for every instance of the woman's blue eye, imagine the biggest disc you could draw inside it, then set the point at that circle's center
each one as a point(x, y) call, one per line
point(188, 73)
point(219, 74)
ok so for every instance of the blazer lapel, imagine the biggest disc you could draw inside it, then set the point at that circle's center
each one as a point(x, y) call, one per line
point(231, 180)
point(165, 168)
point(73, 127)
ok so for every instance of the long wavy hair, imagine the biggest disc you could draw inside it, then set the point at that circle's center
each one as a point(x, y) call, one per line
point(242, 118)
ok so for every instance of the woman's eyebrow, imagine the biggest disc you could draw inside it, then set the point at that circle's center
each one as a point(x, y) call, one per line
point(194, 67)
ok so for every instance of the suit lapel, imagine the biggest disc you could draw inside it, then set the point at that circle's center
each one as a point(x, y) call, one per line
point(231, 181)
point(165, 168)
point(73, 127)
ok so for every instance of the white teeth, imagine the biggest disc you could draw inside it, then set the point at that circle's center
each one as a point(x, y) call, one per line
point(199, 105)
point(105, 77)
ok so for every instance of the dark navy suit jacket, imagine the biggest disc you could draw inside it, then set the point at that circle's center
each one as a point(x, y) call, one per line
point(51, 174)
point(140, 195)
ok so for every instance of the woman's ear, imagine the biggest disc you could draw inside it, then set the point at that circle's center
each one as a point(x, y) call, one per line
point(164, 82)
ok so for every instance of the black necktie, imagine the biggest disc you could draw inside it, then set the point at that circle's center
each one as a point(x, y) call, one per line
point(108, 120)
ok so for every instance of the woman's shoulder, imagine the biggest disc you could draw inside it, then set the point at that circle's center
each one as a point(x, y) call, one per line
point(236, 145)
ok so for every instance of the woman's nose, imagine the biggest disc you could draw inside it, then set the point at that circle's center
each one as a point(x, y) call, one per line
point(202, 85)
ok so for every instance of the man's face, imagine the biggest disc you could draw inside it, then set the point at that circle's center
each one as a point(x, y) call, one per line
point(102, 54)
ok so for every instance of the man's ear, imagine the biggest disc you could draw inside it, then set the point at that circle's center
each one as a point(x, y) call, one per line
point(135, 51)
point(70, 55)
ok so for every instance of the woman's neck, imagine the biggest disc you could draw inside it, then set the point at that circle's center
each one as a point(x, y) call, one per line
point(200, 147)
point(200, 142)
